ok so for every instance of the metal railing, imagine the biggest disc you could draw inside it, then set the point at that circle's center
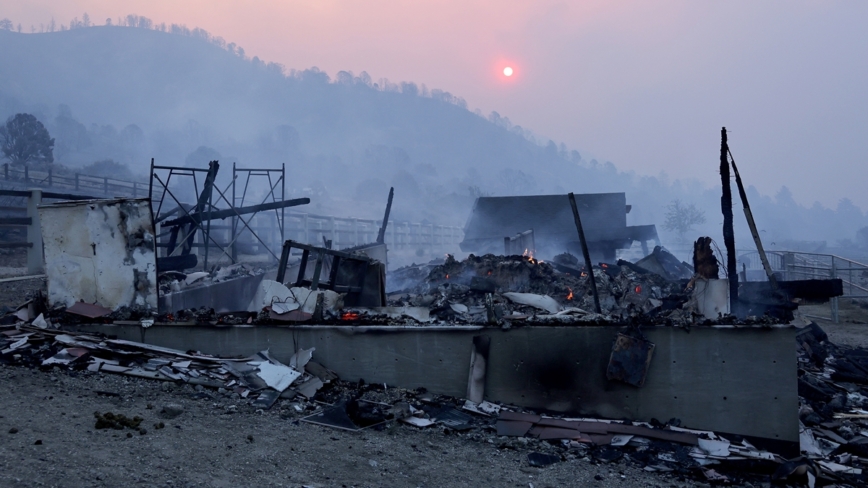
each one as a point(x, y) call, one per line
point(789, 265)
point(348, 232)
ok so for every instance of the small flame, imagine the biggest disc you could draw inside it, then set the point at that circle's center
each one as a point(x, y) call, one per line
point(489, 273)
point(638, 289)
point(584, 274)
point(528, 253)
point(570, 296)
point(349, 316)
point(604, 265)
point(447, 277)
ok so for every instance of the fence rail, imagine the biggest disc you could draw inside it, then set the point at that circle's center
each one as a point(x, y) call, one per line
point(78, 182)
point(343, 232)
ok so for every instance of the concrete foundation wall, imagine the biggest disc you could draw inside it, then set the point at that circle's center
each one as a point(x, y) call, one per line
point(740, 381)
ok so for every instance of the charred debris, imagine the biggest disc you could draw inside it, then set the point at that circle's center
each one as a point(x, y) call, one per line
point(833, 398)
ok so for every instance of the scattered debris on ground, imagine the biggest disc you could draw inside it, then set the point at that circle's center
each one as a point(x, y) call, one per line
point(832, 389)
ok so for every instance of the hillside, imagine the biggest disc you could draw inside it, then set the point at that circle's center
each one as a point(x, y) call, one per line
point(130, 94)
point(184, 93)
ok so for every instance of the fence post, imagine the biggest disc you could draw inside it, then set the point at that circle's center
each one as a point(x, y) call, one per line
point(355, 231)
point(105, 185)
point(50, 179)
point(34, 234)
point(334, 229)
point(76, 182)
point(26, 174)
point(834, 301)
point(135, 189)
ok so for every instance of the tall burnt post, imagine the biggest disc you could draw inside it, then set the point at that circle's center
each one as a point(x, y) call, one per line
point(728, 233)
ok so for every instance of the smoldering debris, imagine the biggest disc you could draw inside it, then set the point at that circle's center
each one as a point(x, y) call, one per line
point(512, 290)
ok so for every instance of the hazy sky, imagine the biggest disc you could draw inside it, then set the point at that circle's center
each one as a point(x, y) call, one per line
point(646, 85)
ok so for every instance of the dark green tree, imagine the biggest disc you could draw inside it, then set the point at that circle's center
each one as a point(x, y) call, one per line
point(25, 140)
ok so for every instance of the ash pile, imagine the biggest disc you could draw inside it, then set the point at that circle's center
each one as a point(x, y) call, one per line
point(506, 290)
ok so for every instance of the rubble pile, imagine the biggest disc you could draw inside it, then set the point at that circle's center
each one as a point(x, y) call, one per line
point(833, 405)
point(176, 281)
point(259, 377)
point(502, 290)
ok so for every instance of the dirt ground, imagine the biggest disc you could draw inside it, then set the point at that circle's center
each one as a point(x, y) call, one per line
point(48, 439)
point(852, 326)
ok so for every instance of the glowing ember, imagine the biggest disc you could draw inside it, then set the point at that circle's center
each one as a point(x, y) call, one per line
point(570, 296)
point(584, 274)
point(447, 277)
point(604, 265)
point(349, 316)
point(638, 289)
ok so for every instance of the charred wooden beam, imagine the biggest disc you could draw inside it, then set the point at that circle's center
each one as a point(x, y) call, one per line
point(728, 232)
point(585, 253)
point(381, 237)
point(752, 224)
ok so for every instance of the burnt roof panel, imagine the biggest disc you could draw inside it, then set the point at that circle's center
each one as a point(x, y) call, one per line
point(604, 217)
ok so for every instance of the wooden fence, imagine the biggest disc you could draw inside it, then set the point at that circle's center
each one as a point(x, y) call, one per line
point(102, 186)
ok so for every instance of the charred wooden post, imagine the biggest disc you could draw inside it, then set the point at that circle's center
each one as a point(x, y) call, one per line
point(585, 253)
point(381, 237)
point(728, 233)
point(752, 224)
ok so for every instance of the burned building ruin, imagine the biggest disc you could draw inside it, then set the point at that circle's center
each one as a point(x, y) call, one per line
point(550, 218)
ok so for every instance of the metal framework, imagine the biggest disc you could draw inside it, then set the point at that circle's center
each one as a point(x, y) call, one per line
point(167, 182)
point(274, 177)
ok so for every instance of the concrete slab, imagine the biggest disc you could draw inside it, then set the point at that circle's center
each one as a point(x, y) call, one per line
point(741, 381)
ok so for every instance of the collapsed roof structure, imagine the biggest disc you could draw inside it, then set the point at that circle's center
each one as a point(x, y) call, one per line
point(549, 216)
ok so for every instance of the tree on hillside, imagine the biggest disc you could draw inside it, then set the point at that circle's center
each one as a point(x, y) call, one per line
point(25, 140)
point(862, 237)
point(516, 182)
point(681, 218)
point(6, 24)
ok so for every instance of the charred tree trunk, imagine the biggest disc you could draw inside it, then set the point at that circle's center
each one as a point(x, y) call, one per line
point(728, 233)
